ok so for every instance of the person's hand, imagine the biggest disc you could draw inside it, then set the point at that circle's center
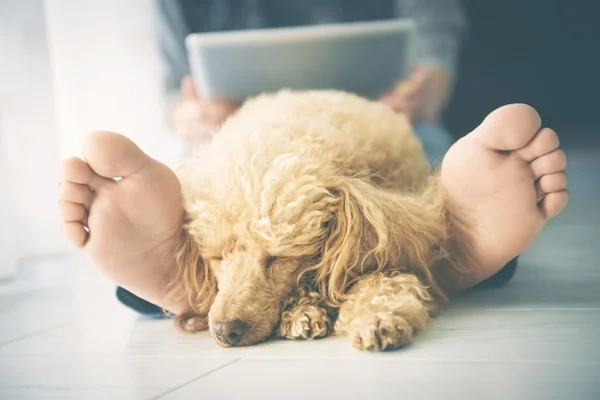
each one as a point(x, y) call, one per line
point(421, 96)
point(195, 119)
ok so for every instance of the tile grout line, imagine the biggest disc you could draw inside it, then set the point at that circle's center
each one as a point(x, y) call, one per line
point(430, 360)
point(184, 384)
point(48, 329)
point(43, 330)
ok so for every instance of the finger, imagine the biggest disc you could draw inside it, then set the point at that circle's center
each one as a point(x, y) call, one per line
point(188, 89)
point(216, 111)
point(198, 132)
point(418, 75)
point(399, 103)
point(409, 113)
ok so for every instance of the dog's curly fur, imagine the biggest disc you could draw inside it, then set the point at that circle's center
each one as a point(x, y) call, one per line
point(311, 210)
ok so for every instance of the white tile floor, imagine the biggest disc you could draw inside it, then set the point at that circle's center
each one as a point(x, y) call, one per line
point(63, 335)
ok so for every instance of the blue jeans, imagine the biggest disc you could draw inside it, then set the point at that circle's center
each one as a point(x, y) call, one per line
point(435, 139)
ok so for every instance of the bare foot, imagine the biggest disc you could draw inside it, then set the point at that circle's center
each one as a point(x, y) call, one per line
point(506, 179)
point(129, 227)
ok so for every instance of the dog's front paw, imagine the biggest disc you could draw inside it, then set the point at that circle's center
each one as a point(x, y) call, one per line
point(305, 322)
point(378, 334)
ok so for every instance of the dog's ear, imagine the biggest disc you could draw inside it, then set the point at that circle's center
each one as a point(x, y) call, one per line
point(374, 228)
point(194, 286)
point(356, 235)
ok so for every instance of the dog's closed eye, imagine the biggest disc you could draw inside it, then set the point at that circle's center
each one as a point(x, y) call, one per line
point(212, 258)
point(269, 261)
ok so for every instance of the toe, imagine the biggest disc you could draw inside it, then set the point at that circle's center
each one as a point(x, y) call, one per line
point(75, 193)
point(555, 161)
point(553, 203)
point(508, 128)
point(75, 233)
point(72, 212)
point(544, 142)
point(78, 171)
point(114, 156)
point(551, 183)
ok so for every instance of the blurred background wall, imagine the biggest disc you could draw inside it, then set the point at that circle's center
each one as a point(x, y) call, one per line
point(68, 67)
point(542, 52)
point(29, 147)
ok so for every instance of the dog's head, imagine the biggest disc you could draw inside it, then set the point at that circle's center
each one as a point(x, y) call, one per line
point(250, 235)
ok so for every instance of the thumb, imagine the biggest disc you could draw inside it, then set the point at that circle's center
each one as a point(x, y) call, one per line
point(418, 74)
point(188, 90)
point(414, 82)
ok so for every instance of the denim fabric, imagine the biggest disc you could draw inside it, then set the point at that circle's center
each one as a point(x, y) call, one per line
point(436, 141)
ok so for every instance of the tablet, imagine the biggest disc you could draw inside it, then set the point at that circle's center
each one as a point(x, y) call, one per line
point(365, 58)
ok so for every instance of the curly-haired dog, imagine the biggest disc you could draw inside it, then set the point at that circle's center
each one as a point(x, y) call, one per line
point(312, 212)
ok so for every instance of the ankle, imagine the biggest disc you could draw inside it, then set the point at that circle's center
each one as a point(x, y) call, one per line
point(458, 271)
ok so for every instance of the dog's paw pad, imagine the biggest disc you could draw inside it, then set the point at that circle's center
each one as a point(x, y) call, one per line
point(305, 322)
point(373, 334)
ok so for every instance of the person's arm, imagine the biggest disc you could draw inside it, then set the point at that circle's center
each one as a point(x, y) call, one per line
point(172, 30)
point(192, 118)
point(440, 28)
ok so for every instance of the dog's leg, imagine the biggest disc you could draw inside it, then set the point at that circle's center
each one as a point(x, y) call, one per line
point(306, 316)
point(382, 312)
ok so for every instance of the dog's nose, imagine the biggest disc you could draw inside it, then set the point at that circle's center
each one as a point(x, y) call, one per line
point(229, 332)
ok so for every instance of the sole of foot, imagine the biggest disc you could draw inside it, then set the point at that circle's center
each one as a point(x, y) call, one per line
point(505, 180)
point(125, 211)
